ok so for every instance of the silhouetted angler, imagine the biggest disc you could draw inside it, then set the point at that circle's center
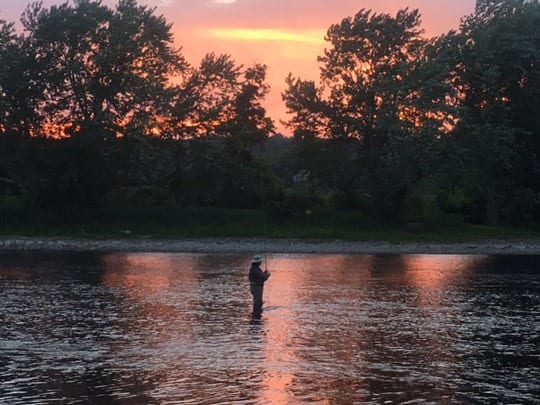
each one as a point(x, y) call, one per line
point(257, 277)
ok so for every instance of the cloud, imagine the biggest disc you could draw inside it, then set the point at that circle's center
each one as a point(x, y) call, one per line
point(224, 1)
point(267, 34)
point(157, 3)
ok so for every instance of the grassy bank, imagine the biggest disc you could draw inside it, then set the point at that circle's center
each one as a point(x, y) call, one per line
point(179, 223)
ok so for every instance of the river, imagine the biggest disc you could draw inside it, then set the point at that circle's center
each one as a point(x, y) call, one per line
point(159, 328)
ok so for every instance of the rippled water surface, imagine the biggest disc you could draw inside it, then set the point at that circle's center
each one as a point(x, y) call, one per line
point(336, 329)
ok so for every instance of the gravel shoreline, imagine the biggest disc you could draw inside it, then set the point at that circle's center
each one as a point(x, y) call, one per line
point(240, 245)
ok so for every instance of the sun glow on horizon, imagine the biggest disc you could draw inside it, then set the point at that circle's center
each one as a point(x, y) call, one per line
point(287, 37)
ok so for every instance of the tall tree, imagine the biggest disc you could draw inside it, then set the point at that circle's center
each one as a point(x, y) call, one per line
point(107, 70)
point(382, 93)
point(21, 87)
point(499, 77)
point(204, 99)
point(221, 103)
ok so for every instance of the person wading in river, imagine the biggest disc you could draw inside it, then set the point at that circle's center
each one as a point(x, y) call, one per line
point(257, 277)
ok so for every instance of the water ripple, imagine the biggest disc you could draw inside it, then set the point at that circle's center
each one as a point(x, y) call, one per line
point(169, 329)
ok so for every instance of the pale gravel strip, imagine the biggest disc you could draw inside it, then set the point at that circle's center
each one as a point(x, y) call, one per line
point(241, 245)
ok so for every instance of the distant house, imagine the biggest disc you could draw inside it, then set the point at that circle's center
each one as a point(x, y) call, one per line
point(301, 177)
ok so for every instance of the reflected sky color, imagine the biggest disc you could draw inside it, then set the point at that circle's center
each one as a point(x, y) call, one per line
point(285, 35)
point(143, 328)
point(138, 275)
point(435, 272)
point(299, 348)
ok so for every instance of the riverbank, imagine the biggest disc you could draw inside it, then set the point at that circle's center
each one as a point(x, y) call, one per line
point(257, 245)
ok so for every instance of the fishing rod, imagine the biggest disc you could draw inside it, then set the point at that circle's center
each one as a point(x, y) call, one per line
point(265, 225)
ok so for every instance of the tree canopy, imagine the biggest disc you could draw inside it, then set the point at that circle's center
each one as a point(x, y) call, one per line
point(383, 88)
point(98, 105)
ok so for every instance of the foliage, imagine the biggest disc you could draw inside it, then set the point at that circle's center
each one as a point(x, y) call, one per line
point(499, 79)
point(221, 103)
point(20, 84)
point(383, 92)
point(99, 113)
point(107, 71)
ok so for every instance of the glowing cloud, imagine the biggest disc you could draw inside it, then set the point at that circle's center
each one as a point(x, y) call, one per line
point(268, 34)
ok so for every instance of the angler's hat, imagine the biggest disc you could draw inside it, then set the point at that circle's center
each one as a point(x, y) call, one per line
point(256, 259)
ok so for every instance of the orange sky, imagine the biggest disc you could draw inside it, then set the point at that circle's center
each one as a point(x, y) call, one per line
point(286, 35)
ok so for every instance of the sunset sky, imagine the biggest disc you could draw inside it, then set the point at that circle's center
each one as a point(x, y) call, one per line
point(286, 35)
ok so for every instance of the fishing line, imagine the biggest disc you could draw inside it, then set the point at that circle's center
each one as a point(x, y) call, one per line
point(265, 226)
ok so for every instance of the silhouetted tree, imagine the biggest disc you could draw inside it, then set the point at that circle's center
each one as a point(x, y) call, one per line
point(219, 106)
point(499, 78)
point(107, 70)
point(384, 95)
point(21, 87)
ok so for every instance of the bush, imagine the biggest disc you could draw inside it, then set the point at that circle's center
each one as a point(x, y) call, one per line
point(145, 196)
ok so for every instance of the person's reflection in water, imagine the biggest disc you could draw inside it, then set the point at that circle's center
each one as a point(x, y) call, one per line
point(256, 320)
point(257, 277)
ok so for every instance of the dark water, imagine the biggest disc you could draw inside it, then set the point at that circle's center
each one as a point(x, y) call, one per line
point(336, 329)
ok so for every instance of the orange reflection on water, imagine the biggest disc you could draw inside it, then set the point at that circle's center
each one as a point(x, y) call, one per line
point(430, 272)
point(14, 273)
point(432, 276)
point(145, 274)
point(281, 293)
point(154, 284)
point(290, 295)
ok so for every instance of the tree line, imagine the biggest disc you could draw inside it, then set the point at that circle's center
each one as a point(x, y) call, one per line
point(98, 108)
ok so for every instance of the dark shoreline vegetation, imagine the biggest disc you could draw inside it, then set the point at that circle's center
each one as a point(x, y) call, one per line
point(107, 130)
point(198, 223)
